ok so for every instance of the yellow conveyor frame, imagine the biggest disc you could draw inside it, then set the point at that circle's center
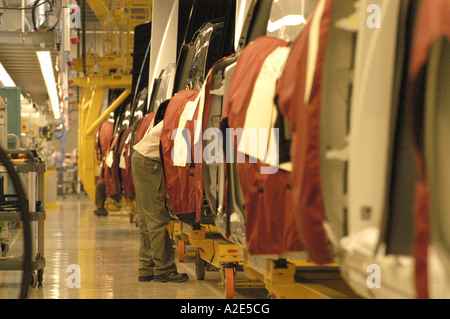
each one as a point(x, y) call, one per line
point(282, 278)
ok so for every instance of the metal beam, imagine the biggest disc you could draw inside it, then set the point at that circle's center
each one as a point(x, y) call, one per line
point(107, 63)
point(28, 38)
point(108, 111)
point(112, 82)
point(94, 107)
point(100, 9)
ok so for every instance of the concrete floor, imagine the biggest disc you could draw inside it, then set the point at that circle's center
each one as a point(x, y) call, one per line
point(104, 249)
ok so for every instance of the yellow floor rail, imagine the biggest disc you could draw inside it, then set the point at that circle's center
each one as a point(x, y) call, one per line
point(283, 278)
point(286, 278)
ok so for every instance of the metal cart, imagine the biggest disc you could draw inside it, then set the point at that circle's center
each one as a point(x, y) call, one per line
point(71, 183)
point(31, 168)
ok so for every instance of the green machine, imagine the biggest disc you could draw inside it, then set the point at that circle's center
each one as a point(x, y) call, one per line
point(10, 95)
point(12, 99)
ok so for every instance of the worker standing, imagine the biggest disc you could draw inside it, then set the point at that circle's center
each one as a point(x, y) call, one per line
point(56, 160)
point(156, 254)
point(103, 137)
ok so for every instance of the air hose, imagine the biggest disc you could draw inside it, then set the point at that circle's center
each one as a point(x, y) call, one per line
point(25, 217)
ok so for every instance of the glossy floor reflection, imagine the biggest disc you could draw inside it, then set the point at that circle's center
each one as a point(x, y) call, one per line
point(104, 249)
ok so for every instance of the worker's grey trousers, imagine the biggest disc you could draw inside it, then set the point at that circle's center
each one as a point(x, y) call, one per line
point(156, 254)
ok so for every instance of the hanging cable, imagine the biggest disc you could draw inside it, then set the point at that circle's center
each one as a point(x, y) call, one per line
point(25, 8)
point(57, 20)
point(25, 217)
point(33, 12)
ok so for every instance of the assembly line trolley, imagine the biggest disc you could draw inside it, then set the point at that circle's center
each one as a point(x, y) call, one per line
point(31, 168)
point(213, 252)
point(288, 276)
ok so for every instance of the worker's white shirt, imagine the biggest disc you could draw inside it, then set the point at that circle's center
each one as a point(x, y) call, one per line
point(149, 145)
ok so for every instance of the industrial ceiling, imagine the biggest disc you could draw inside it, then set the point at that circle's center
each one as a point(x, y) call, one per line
point(18, 55)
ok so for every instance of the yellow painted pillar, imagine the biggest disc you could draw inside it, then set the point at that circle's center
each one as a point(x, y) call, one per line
point(89, 141)
point(90, 111)
point(84, 105)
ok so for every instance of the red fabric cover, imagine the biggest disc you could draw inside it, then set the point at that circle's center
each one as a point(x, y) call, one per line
point(304, 120)
point(195, 171)
point(103, 137)
point(112, 180)
point(270, 223)
point(125, 174)
point(107, 176)
point(179, 181)
point(143, 126)
point(421, 239)
point(433, 21)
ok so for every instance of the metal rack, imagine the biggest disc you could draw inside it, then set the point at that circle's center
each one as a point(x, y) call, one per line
point(28, 164)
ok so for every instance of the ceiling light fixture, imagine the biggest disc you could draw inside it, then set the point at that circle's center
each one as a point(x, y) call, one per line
point(6, 80)
point(45, 61)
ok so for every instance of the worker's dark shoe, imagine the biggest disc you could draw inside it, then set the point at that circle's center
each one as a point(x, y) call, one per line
point(171, 277)
point(146, 278)
point(101, 212)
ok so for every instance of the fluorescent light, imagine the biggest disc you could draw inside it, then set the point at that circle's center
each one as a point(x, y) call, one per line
point(45, 61)
point(5, 78)
point(7, 81)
